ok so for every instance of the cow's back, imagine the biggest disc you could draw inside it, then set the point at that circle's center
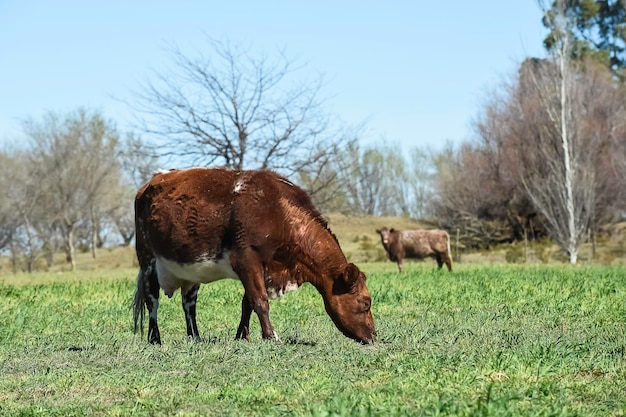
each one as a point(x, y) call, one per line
point(415, 243)
point(439, 240)
point(184, 214)
point(421, 243)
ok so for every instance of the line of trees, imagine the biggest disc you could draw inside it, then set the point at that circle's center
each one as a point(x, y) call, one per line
point(550, 144)
point(72, 184)
point(548, 156)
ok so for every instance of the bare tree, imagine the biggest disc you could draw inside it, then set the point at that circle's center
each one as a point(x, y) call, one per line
point(604, 132)
point(470, 196)
point(375, 180)
point(74, 160)
point(419, 180)
point(25, 195)
point(18, 203)
point(118, 210)
point(327, 181)
point(138, 163)
point(556, 172)
point(513, 176)
point(9, 218)
point(137, 159)
point(548, 155)
point(237, 109)
point(25, 223)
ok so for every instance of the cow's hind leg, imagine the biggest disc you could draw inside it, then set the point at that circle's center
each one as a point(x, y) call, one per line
point(189, 299)
point(243, 331)
point(147, 297)
point(151, 291)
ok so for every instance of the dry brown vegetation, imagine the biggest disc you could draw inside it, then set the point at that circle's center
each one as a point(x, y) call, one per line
point(360, 243)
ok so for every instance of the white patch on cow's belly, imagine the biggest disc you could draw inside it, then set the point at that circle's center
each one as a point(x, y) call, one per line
point(173, 275)
point(273, 293)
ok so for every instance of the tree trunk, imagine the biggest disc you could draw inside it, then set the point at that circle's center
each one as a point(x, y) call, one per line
point(14, 261)
point(572, 244)
point(95, 233)
point(69, 246)
point(48, 251)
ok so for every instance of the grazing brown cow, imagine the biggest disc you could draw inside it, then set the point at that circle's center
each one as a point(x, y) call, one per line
point(201, 225)
point(401, 244)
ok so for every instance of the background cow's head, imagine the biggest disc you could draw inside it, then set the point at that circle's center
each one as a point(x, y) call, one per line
point(384, 235)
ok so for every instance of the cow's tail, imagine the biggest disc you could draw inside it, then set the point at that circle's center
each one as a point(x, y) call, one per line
point(139, 302)
point(449, 251)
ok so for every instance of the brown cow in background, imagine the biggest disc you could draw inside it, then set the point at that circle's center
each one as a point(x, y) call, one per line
point(418, 244)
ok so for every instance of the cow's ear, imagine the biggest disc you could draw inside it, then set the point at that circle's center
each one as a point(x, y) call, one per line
point(377, 230)
point(351, 274)
point(392, 230)
point(346, 281)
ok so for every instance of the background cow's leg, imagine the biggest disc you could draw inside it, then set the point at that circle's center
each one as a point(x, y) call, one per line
point(151, 291)
point(400, 257)
point(248, 267)
point(189, 299)
point(243, 331)
point(439, 259)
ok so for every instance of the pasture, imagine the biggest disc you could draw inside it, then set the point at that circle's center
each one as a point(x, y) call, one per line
point(489, 340)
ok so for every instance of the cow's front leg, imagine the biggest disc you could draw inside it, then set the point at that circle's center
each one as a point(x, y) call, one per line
point(439, 259)
point(189, 298)
point(399, 259)
point(247, 265)
point(243, 331)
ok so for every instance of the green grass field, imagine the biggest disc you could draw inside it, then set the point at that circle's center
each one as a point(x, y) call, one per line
point(491, 340)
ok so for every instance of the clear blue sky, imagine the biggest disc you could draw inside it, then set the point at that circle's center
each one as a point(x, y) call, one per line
point(418, 71)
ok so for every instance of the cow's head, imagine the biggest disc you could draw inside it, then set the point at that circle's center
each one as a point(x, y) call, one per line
point(349, 305)
point(384, 235)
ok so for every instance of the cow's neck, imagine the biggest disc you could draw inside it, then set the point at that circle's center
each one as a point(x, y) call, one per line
point(322, 258)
